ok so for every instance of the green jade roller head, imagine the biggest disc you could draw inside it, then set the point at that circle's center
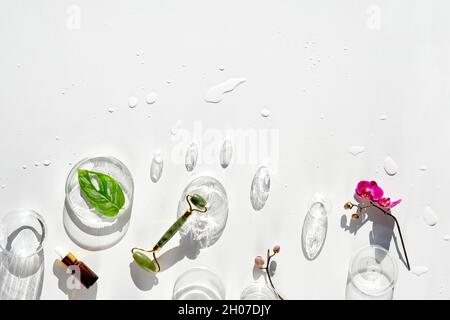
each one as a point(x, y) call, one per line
point(196, 204)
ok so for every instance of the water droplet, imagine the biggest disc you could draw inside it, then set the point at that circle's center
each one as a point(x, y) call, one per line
point(418, 271)
point(314, 230)
point(322, 116)
point(18, 65)
point(138, 53)
point(3, 186)
point(36, 164)
point(191, 157)
point(429, 216)
point(259, 192)
point(265, 112)
point(390, 166)
point(70, 164)
point(221, 68)
point(168, 81)
point(63, 92)
point(151, 98)
point(47, 163)
point(226, 153)
point(382, 117)
point(215, 93)
point(423, 168)
point(111, 110)
point(175, 128)
point(447, 237)
point(24, 167)
point(355, 150)
point(156, 167)
point(57, 138)
point(132, 102)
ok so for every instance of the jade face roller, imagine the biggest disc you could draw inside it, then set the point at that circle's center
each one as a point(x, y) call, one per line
point(196, 204)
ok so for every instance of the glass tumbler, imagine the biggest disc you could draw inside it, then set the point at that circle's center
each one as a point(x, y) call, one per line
point(198, 283)
point(22, 235)
point(372, 275)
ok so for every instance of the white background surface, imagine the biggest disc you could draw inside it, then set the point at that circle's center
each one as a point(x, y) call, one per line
point(303, 60)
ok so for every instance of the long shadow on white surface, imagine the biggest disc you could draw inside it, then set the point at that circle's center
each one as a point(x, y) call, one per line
point(71, 287)
point(382, 232)
point(21, 278)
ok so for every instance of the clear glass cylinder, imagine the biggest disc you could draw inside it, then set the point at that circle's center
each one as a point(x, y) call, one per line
point(22, 235)
point(372, 275)
point(198, 283)
point(258, 291)
point(84, 225)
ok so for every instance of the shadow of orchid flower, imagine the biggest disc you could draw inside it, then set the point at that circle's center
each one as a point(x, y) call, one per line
point(370, 195)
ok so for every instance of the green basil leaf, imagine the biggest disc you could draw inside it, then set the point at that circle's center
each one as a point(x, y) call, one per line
point(144, 261)
point(198, 201)
point(108, 198)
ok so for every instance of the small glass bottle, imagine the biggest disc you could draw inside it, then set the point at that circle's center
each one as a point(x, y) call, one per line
point(86, 276)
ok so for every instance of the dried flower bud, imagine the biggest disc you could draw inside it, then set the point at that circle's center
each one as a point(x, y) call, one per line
point(259, 262)
point(355, 216)
point(276, 249)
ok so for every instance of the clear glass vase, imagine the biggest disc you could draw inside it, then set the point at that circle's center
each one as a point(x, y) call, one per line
point(205, 228)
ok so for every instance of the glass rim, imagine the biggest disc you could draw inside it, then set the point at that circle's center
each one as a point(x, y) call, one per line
point(257, 284)
point(392, 282)
point(199, 268)
point(42, 223)
point(72, 172)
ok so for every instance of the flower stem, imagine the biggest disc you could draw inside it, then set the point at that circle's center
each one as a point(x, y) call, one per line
point(398, 228)
point(269, 257)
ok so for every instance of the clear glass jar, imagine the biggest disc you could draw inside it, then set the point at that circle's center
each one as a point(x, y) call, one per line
point(258, 291)
point(198, 283)
point(84, 225)
point(372, 275)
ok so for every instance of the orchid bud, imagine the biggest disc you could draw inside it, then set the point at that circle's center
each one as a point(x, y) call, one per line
point(348, 205)
point(276, 249)
point(259, 262)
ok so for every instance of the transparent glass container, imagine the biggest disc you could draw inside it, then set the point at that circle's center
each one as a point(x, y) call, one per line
point(22, 236)
point(84, 225)
point(372, 275)
point(205, 228)
point(258, 291)
point(198, 283)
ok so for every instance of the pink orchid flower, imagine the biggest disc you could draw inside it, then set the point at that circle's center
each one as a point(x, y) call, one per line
point(387, 204)
point(370, 190)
